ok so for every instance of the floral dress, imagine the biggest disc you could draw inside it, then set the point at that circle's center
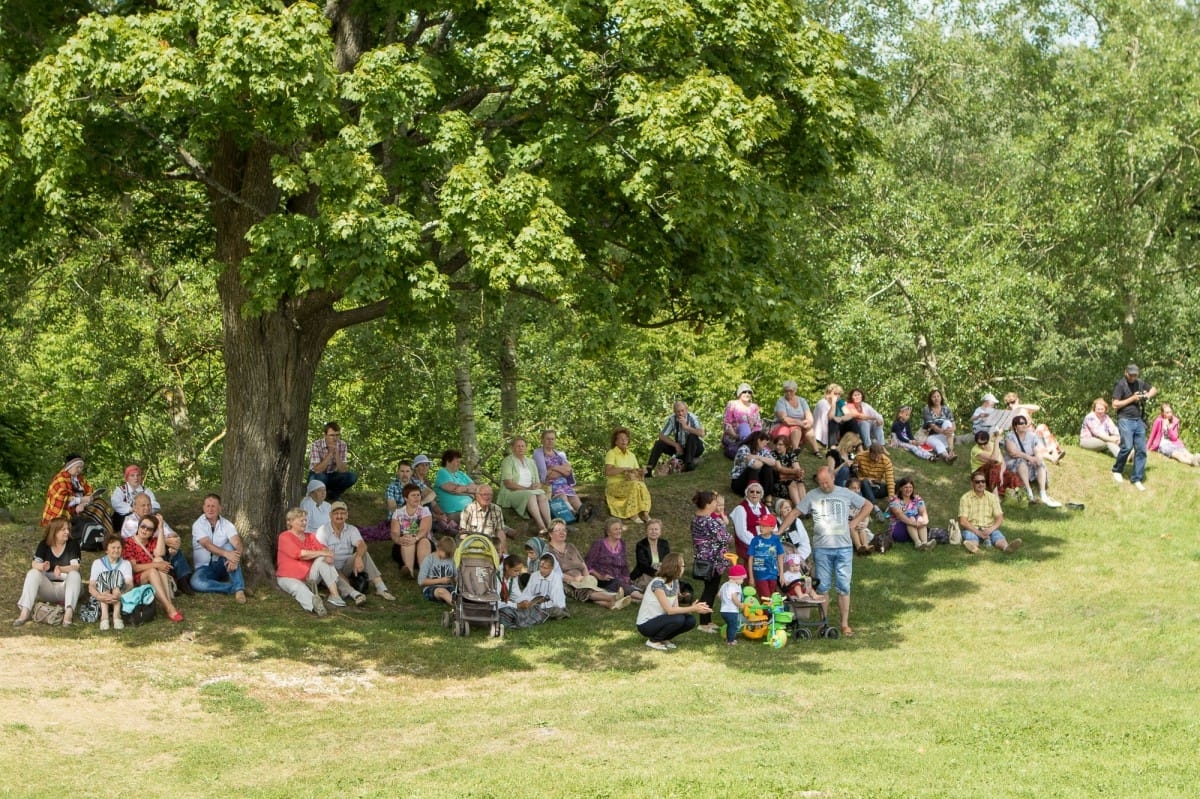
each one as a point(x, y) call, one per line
point(711, 538)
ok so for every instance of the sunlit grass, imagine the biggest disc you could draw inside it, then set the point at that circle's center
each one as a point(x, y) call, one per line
point(1068, 670)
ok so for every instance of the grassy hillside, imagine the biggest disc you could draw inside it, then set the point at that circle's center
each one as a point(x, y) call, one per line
point(1069, 669)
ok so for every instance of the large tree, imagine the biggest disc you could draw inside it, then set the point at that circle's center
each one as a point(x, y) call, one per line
point(632, 159)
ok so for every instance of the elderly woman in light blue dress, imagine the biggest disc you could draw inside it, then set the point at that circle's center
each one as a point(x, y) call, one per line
point(520, 488)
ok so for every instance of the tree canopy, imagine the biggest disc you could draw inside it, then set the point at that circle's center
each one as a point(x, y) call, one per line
point(619, 160)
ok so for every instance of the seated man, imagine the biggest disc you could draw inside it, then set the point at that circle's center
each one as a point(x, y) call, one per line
point(681, 437)
point(350, 555)
point(217, 553)
point(405, 476)
point(1026, 458)
point(181, 570)
point(980, 517)
point(327, 462)
point(483, 517)
point(122, 496)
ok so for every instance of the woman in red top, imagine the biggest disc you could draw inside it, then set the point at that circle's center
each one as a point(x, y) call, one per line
point(147, 550)
point(301, 562)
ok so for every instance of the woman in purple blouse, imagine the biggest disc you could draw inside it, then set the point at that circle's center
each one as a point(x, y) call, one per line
point(606, 561)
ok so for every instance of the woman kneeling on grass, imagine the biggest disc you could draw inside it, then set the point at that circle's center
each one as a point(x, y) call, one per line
point(660, 618)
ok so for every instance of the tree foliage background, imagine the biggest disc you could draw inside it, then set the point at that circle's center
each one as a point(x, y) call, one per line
point(1023, 216)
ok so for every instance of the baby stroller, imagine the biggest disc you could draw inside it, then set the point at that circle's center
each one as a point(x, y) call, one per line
point(803, 624)
point(476, 600)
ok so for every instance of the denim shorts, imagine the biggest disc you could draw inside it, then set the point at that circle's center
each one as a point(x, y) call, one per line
point(428, 590)
point(993, 538)
point(834, 567)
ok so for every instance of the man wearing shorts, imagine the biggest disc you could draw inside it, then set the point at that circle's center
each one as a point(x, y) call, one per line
point(980, 517)
point(834, 510)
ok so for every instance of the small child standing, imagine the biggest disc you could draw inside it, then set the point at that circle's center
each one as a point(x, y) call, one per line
point(111, 576)
point(765, 556)
point(731, 602)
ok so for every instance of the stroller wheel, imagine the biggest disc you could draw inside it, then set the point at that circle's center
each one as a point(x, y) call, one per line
point(465, 629)
point(803, 633)
point(831, 632)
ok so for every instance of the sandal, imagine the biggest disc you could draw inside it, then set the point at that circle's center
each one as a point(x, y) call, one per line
point(847, 632)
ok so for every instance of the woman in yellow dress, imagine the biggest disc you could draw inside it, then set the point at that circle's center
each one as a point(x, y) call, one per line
point(625, 481)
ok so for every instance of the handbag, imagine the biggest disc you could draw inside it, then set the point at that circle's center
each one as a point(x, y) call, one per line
point(702, 569)
point(561, 509)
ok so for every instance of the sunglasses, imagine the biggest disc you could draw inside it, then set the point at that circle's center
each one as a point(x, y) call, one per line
point(979, 482)
point(146, 527)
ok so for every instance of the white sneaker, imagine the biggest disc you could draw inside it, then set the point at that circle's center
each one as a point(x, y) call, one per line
point(1117, 478)
point(118, 623)
point(1050, 503)
point(104, 624)
point(659, 645)
point(1138, 485)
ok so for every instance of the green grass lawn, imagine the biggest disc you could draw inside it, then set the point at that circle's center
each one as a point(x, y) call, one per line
point(1069, 669)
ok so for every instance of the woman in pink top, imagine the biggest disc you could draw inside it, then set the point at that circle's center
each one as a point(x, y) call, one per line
point(1164, 437)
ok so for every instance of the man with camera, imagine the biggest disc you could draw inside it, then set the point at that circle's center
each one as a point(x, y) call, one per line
point(1129, 398)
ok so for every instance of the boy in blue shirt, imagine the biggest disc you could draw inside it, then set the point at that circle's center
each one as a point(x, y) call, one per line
point(765, 556)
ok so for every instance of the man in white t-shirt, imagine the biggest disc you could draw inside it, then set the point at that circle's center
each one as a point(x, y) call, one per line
point(834, 510)
point(217, 551)
point(350, 555)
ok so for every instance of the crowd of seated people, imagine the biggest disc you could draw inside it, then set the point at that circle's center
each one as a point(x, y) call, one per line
point(844, 433)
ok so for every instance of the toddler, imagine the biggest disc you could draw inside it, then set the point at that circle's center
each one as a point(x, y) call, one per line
point(797, 580)
point(731, 602)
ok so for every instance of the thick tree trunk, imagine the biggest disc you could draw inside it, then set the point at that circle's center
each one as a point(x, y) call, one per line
point(270, 363)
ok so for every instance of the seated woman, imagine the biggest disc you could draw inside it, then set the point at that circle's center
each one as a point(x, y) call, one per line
point(147, 551)
point(111, 577)
point(68, 493)
point(902, 435)
point(854, 415)
point(1165, 440)
point(411, 532)
point(1099, 432)
point(648, 554)
point(521, 488)
point(1052, 450)
point(302, 562)
point(825, 427)
point(987, 458)
point(624, 481)
point(315, 506)
point(754, 462)
point(608, 562)
point(982, 418)
point(454, 488)
point(794, 420)
point(910, 519)
point(1025, 458)
point(54, 575)
point(742, 417)
point(660, 617)
point(790, 482)
point(937, 420)
point(555, 470)
point(578, 583)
